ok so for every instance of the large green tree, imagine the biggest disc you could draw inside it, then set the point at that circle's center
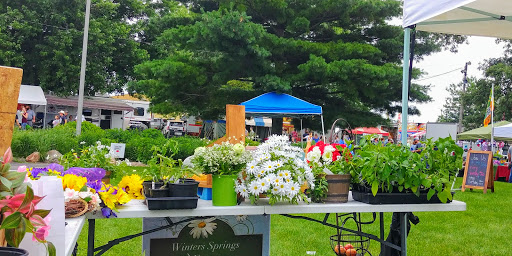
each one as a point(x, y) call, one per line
point(342, 55)
point(451, 108)
point(44, 37)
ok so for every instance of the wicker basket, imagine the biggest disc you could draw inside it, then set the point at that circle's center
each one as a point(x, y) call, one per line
point(76, 207)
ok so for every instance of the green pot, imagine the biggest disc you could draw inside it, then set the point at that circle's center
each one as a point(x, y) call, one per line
point(223, 190)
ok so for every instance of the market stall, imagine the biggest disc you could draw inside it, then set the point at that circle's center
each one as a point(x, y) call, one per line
point(480, 133)
point(274, 104)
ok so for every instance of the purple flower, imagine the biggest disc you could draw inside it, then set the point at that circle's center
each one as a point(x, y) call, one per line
point(96, 185)
point(92, 174)
point(36, 171)
point(55, 167)
point(107, 212)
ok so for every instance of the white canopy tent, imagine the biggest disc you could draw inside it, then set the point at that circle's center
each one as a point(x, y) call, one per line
point(503, 132)
point(491, 18)
point(34, 95)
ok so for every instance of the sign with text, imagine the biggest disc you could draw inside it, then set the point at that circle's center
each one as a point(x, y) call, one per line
point(209, 236)
point(478, 171)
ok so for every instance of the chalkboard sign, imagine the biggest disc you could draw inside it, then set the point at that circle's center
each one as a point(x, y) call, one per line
point(478, 172)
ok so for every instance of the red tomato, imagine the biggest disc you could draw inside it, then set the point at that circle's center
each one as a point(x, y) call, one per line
point(348, 246)
point(339, 250)
point(351, 252)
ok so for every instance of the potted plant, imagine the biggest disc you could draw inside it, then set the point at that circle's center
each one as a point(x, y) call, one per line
point(19, 214)
point(393, 174)
point(277, 170)
point(224, 162)
point(331, 165)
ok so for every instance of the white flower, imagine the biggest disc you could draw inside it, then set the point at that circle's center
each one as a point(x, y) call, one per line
point(292, 189)
point(254, 187)
point(252, 168)
point(278, 164)
point(242, 189)
point(70, 194)
point(314, 155)
point(269, 166)
point(202, 227)
point(264, 185)
point(239, 148)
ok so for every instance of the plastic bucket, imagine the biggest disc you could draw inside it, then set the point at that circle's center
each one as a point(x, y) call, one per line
point(223, 190)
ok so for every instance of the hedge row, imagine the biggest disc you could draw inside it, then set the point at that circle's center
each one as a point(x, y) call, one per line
point(63, 139)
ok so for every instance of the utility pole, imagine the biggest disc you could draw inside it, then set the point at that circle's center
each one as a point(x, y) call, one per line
point(464, 82)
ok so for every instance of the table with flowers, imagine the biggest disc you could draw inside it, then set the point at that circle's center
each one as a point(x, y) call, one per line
point(137, 209)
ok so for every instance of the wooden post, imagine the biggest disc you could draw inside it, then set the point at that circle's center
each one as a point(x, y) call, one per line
point(10, 82)
point(235, 125)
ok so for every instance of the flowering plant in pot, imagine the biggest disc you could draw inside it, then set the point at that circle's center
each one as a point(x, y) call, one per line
point(224, 162)
point(395, 169)
point(277, 170)
point(18, 209)
point(331, 165)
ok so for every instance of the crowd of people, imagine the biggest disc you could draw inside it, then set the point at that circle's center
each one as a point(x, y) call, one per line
point(26, 117)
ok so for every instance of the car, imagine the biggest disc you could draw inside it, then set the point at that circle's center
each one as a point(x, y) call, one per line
point(174, 128)
point(137, 125)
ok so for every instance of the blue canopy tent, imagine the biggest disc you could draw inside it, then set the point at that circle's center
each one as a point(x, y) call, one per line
point(274, 104)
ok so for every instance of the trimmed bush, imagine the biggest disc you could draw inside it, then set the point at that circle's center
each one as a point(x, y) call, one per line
point(62, 138)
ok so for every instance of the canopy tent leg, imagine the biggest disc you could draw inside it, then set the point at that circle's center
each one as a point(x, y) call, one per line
point(44, 117)
point(323, 129)
point(405, 83)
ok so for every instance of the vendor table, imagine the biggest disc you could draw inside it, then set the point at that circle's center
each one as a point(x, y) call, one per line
point(72, 231)
point(137, 209)
point(502, 171)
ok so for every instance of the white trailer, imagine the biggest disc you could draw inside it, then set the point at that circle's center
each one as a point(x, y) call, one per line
point(441, 130)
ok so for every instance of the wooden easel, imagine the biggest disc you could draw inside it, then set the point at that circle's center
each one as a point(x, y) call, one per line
point(235, 125)
point(474, 165)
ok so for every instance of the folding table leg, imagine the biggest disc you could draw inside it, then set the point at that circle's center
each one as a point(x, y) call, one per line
point(90, 237)
point(403, 233)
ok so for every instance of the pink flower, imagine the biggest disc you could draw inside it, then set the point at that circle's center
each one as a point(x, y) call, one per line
point(41, 233)
point(7, 156)
point(22, 168)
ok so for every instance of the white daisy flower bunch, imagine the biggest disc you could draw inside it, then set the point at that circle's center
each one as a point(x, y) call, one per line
point(225, 158)
point(277, 170)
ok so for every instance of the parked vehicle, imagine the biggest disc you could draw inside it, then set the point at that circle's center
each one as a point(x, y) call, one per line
point(174, 128)
point(137, 125)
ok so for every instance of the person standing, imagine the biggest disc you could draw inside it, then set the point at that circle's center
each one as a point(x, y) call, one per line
point(416, 146)
point(316, 138)
point(18, 117)
point(24, 116)
point(31, 116)
point(295, 136)
point(56, 121)
point(63, 117)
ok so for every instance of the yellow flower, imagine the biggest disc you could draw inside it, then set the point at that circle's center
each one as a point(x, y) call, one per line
point(132, 185)
point(122, 197)
point(108, 199)
point(73, 182)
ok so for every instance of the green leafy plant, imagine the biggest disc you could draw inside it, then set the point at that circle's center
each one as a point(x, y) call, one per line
point(395, 168)
point(164, 167)
point(93, 156)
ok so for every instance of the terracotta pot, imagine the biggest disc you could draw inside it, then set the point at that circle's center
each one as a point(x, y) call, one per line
point(10, 81)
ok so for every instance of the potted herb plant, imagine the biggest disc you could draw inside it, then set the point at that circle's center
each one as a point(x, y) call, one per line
point(224, 162)
point(331, 164)
point(277, 170)
point(393, 174)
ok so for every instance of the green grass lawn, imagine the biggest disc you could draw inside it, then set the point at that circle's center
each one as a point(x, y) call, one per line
point(483, 229)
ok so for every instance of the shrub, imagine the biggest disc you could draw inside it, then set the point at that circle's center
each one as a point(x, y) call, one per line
point(187, 145)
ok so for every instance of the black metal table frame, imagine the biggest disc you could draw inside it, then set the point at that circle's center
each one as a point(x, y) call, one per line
point(403, 232)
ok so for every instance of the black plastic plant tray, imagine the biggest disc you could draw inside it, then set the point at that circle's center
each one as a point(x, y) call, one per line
point(394, 198)
point(166, 203)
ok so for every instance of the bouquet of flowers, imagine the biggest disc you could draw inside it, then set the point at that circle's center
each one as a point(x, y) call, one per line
point(223, 159)
point(277, 170)
point(18, 208)
point(84, 191)
point(325, 158)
